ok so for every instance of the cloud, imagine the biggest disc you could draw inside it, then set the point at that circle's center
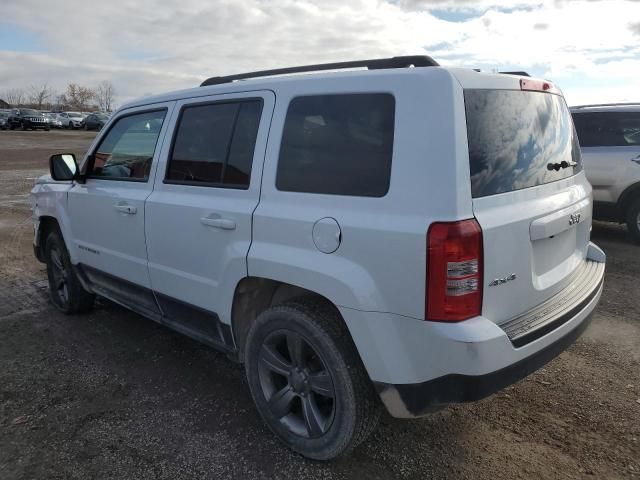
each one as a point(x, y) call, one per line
point(151, 46)
point(635, 28)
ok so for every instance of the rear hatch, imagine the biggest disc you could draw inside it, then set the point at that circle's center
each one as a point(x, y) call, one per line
point(529, 196)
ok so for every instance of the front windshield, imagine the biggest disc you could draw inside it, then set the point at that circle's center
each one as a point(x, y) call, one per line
point(28, 111)
point(74, 114)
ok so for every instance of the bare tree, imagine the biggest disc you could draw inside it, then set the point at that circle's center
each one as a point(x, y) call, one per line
point(78, 97)
point(105, 94)
point(38, 95)
point(14, 96)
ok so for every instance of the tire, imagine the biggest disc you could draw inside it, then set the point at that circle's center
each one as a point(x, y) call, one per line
point(86, 128)
point(24, 127)
point(65, 289)
point(633, 219)
point(327, 404)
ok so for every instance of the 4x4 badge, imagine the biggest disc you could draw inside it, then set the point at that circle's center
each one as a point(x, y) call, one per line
point(500, 281)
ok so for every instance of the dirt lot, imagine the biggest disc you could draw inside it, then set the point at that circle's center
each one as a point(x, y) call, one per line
point(113, 395)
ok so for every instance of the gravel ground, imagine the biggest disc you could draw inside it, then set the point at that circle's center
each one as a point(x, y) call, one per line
point(112, 395)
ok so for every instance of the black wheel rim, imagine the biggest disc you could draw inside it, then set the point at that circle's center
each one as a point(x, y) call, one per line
point(296, 384)
point(59, 277)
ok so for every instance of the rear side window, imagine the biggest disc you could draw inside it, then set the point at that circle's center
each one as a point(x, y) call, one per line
point(518, 139)
point(607, 129)
point(214, 144)
point(338, 144)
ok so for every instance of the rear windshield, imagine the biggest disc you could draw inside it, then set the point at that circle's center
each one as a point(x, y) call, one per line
point(518, 140)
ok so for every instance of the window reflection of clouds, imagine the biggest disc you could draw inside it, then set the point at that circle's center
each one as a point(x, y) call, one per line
point(513, 135)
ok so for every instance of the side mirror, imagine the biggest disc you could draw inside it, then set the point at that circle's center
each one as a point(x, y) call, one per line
point(63, 166)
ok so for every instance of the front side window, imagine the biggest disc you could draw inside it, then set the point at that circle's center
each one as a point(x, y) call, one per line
point(126, 151)
point(214, 144)
point(607, 129)
point(338, 145)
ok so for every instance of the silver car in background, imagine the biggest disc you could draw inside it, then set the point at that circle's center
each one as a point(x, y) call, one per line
point(609, 136)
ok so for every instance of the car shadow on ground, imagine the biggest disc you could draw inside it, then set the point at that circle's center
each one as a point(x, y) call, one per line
point(611, 232)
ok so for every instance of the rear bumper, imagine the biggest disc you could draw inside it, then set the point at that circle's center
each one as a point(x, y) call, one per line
point(416, 399)
point(436, 364)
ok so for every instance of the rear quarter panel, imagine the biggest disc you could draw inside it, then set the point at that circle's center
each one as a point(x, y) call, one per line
point(380, 263)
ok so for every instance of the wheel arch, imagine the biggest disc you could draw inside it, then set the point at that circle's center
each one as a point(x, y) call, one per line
point(253, 295)
point(628, 195)
point(47, 225)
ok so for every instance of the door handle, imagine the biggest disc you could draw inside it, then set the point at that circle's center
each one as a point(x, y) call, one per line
point(128, 209)
point(218, 222)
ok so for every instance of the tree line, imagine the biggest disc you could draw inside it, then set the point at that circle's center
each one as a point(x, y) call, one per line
point(75, 97)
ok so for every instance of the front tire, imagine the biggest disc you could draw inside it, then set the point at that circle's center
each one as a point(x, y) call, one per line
point(633, 219)
point(307, 380)
point(66, 291)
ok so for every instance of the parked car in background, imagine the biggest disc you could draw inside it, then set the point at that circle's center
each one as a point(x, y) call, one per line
point(27, 119)
point(609, 136)
point(406, 237)
point(95, 121)
point(54, 121)
point(4, 120)
point(71, 119)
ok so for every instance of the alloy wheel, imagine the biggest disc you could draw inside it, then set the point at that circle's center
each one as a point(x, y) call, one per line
point(296, 384)
point(60, 277)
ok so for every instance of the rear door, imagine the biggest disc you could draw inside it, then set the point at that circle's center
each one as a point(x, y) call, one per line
point(529, 195)
point(199, 217)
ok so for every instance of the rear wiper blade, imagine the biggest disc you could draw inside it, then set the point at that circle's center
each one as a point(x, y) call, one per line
point(558, 166)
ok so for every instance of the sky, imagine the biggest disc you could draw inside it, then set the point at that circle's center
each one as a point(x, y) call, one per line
point(590, 48)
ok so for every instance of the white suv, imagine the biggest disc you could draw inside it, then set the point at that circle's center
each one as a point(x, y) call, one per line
point(406, 237)
point(610, 141)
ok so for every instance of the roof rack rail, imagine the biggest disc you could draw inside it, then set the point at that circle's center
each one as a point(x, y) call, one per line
point(622, 104)
point(375, 64)
point(522, 74)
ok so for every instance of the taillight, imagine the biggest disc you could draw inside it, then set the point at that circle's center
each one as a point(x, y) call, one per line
point(454, 271)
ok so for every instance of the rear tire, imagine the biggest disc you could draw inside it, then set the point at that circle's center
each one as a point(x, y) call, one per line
point(65, 289)
point(633, 219)
point(307, 380)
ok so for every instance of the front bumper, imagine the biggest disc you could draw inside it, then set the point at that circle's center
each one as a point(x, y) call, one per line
point(32, 124)
point(418, 367)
